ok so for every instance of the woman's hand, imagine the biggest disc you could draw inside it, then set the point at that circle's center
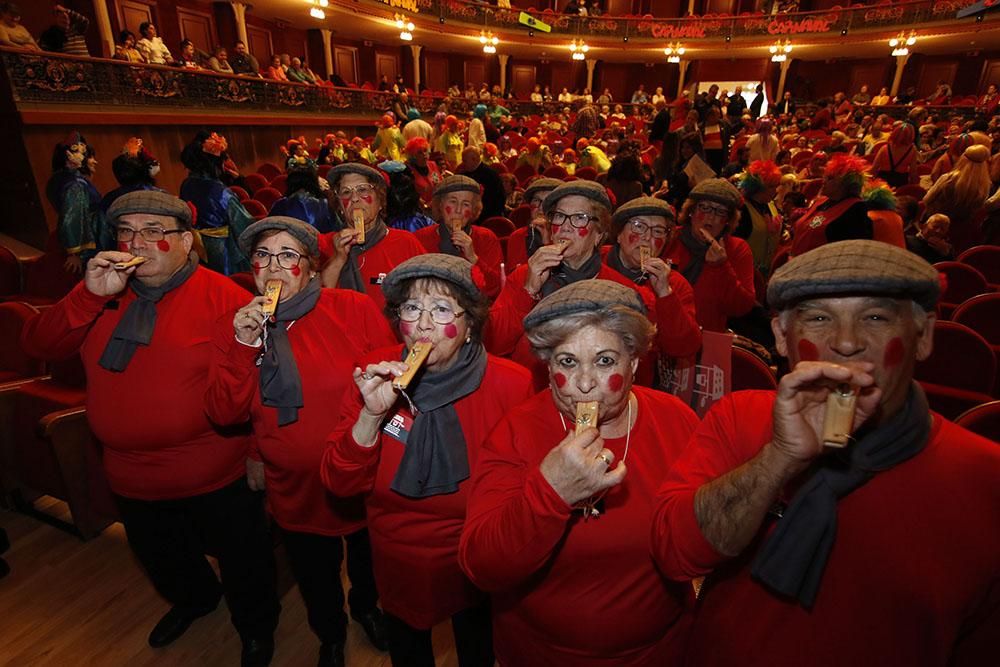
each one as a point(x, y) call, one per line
point(249, 321)
point(255, 475)
point(378, 394)
point(659, 276)
point(463, 242)
point(579, 467)
point(73, 264)
point(716, 253)
point(540, 264)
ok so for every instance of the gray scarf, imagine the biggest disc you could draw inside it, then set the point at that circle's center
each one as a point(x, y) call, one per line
point(136, 326)
point(350, 276)
point(446, 245)
point(436, 458)
point(697, 248)
point(638, 276)
point(792, 559)
point(280, 383)
point(564, 274)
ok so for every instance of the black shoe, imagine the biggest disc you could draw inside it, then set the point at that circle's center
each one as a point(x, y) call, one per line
point(174, 624)
point(257, 652)
point(331, 655)
point(373, 623)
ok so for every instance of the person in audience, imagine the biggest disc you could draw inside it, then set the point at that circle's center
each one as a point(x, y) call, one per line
point(243, 62)
point(426, 175)
point(66, 35)
point(813, 542)
point(525, 241)
point(842, 109)
point(882, 98)
point(786, 107)
point(763, 145)
point(296, 74)
point(931, 239)
point(76, 201)
point(404, 209)
point(862, 97)
point(317, 80)
point(960, 194)
point(739, 164)
point(591, 155)
point(179, 484)
point(416, 127)
point(624, 176)
point(714, 140)
point(838, 213)
point(988, 103)
point(718, 265)
point(536, 155)
point(896, 161)
point(450, 143)
point(189, 56)
point(283, 380)
point(760, 221)
point(219, 62)
point(557, 507)
point(413, 458)
point(151, 45)
point(736, 106)
point(874, 136)
point(489, 184)
point(887, 223)
point(276, 71)
point(304, 198)
point(639, 96)
point(12, 32)
point(359, 262)
point(135, 168)
point(388, 143)
point(221, 216)
point(947, 162)
point(458, 202)
point(125, 49)
point(815, 168)
point(941, 95)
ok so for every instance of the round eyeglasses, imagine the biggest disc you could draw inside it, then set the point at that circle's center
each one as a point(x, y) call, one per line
point(362, 190)
point(641, 228)
point(575, 220)
point(148, 234)
point(411, 312)
point(287, 259)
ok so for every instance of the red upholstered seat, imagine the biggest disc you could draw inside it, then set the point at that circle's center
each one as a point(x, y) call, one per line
point(911, 190)
point(524, 173)
point(521, 216)
point(952, 402)
point(269, 170)
point(982, 315)
point(267, 197)
point(750, 371)
point(962, 359)
point(983, 419)
point(800, 159)
point(324, 169)
point(255, 208)
point(586, 173)
point(278, 183)
point(964, 282)
point(255, 182)
point(499, 225)
point(14, 363)
point(240, 192)
point(10, 273)
point(985, 259)
point(555, 171)
point(811, 189)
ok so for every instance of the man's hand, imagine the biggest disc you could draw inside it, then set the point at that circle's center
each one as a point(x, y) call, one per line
point(102, 278)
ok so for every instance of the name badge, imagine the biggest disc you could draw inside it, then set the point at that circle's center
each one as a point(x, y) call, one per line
point(378, 280)
point(399, 427)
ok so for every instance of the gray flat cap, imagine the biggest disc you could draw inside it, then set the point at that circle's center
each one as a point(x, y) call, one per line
point(455, 270)
point(345, 168)
point(457, 183)
point(303, 232)
point(154, 202)
point(540, 185)
point(718, 190)
point(589, 189)
point(642, 206)
point(858, 267)
point(583, 296)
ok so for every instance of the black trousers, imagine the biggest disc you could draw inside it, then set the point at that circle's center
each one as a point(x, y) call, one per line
point(315, 561)
point(473, 628)
point(171, 537)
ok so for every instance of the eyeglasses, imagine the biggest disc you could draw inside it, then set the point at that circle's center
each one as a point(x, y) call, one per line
point(411, 312)
point(362, 190)
point(717, 211)
point(575, 220)
point(287, 259)
point(148, 234)
point(641, 228)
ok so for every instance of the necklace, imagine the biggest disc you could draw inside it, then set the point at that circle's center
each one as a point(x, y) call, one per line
point(590, 506)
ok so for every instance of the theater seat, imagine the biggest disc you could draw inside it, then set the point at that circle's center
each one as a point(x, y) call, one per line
point(964, 282)
point(324, 169)
point(982, 315)
point(983, 420)
point(524, 173)
point(15, 364)
point(960, 372)
point(750, 371)
point(586, 173)
point(267, 197)
point(255, 208)
point(279, 182)
point(555, 171)
point(499, 225)
point(269, 170)
point(521, 216)
point(985, 259)
point(240, 192)
point(255, 182)
point(10, 273)
point(951, 402)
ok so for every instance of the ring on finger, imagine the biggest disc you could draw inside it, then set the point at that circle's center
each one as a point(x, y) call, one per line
point(605, 457)
point(367, 376)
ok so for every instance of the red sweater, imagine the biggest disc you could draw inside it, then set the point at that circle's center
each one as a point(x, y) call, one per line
point(342, 327)
point(397, 247)
point(415, 542)
point(517, 249)
point(504, 334)
point(723, 290)
point(158, 442)
point(913, 578)
point(567, 591)
point(487, 248)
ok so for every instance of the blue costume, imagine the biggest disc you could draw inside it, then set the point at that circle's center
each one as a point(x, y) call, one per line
point(221, 219)
point(304, 206)
point(78, 204)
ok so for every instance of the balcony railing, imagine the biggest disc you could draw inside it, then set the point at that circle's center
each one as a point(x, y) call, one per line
point(824, 22)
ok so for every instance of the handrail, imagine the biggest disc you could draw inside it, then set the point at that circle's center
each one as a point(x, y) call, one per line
point(711, 26)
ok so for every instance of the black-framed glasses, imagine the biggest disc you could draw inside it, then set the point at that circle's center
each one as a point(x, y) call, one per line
point(411, 312)
point(575, 220)
point(287, 259)
point(641, 228)
point(362, 190)
point(148, 234)
point(717, 211)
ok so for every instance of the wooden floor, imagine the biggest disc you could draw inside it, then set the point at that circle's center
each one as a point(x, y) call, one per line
point(70, 603)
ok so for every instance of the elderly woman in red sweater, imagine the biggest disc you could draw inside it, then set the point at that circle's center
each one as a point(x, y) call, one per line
point(557, 527)
point(718, 265)
point(411, 451)
point(282, 372)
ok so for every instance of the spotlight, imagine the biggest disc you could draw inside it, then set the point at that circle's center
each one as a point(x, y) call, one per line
point(625, 39)
point(843, 33)
point(441, 20)
point(729, 38)
point(531, 33)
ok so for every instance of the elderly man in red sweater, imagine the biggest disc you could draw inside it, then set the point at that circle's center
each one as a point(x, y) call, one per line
point(144, 334)
point(839, 521)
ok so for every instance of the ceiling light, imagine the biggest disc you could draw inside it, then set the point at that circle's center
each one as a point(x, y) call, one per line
point(780, 50)
point(317, 13)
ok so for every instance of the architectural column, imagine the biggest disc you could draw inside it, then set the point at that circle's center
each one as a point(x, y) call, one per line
point(896, 80)
point(590, 75)
point(503, 71)
point(415, 50)
point(683, 67)
point(785, 64)
point(240, 12)
point(690, 7)
point(327, 35)
point(104, 28)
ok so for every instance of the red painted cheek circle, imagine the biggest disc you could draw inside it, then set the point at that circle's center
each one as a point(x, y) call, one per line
point(406, 328)
point(367, 199)
point(560, 380)
point(163, 246)
point(450, 330)
point(616, 382)
point(296, 271)
point(633, 238)
point(122, 246)
point(257, 268)
point(345, 202)
point(808, 351)
point(448, 210)
point(893, 353)
point(582, 233)
point(467, 215)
